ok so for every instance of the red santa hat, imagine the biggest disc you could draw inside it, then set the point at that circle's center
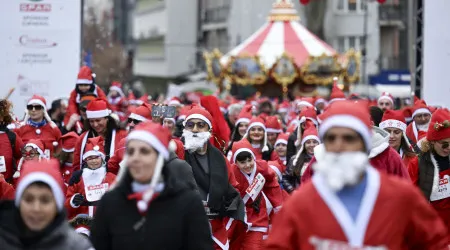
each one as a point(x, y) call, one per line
point(319, 100)
point(37, 145)
point(386, 96)
point(273, 125)
point(347, 114)
point(68, 142)
point(46, 172)
point(308, 114)
point(439, 127)
point(183, 112)
point(117, 86)
point(336, 93)
point(39, 100)
point(420, 107)
point(97, 108)
point(85, 76)
point(159, 138)
point(407, 113)
point(142, 113)
point(245, 115)
point(197, 112)
point(174, 101)
point(282, 138)
point(291, 128)
point(241, 146)
point(303, 102)
point(254, 122)
point(395, 119)
point(284, 107)
point(94, 147)
point(309, 134)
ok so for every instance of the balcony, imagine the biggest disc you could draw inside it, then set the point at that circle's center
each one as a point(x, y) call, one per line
point(394, 62)
point(393, 15)
point(216, 15)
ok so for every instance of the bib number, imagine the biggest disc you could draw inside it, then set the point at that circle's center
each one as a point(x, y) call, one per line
point(257, 185)
point(95, 193)
point(2, 164)
point(443, 190)
point(208, 210)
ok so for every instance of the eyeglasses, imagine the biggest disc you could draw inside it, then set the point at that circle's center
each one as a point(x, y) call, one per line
point(35, 107)
point(444, 144)
point(330, 138)
point(200, 125)
point(131, 120)
point(30, 154)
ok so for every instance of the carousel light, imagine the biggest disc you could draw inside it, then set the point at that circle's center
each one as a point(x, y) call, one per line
point(305, 2)
point(381, 1)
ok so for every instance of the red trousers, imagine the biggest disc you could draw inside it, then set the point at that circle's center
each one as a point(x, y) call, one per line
point(252, 241)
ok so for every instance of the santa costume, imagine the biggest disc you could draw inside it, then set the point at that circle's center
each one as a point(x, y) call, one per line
point(85, 77)
point(90, 183)
point(334, 211)
point(68, 142)
point(430, 171)
point(118, 98)
point(385, 96)
point(273, 125)
point(6, 190)
point(46, 130)
point(254, 188)
point(282, 140)
point(412, 131)
point(11, 145)
point(38, 146)
point(336, 93)
point(244, 117)
point(98, 108)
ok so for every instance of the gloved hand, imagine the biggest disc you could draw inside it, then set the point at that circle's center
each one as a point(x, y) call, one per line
point(77, 200)
point(73, 119)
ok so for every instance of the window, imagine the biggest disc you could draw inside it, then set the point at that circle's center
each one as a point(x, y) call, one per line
point(350, 5)
point(340, 5)
point(344, 43)
point(351, 42)
point(341, 44)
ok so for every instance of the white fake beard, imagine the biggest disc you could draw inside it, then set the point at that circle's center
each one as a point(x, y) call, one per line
point(423, 127)
point(195, 141)
point(93, 177)
point(341, 169)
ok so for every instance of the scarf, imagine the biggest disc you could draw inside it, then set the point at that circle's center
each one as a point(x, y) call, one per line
point(36, 124)
point(223, 198)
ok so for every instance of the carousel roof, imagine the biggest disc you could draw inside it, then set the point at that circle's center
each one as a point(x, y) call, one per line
point(281, 34)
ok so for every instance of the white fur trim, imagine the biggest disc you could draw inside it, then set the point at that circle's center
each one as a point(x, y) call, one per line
point(305, 103)
point(243, 150)
point(68, 150)
point(246, 120)
point(71, 201)
point(98, 113)
point(282, 110)
point(347, 121)
point(174, 103)
point(34, 146)
point(84, 81)
point(385, 97)
point(277, 171)
point(170, 119)
point(272, 130)
point(393, 124)
point(93, 153)
point(47, 179)
point(320, 100)
point(378, 150)
point(172, 146)
point(421, 111)
point(280, 141)
point(336, 99)
point(181, 117)
point(254, 124)
point(436, 175)
point(83, 230)
point(310, 137)
point(198, 116)
point(38, 102)
point(137, 117)
point(119, 90)
point(150, 139)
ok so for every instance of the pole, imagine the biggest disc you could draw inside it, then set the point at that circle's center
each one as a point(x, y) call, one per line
point(364, 42)
point(81, 30)
point(412, 26)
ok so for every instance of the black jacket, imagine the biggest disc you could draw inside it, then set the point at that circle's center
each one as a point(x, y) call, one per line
point(58, 235)
point(291, 149)
point(174, 220)
point(291, 177)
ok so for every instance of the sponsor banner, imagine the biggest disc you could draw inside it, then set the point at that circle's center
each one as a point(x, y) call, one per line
point(40, 46)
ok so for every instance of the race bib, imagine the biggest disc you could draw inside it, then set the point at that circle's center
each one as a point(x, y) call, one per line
point(257, 185)
point(443, 190)
point(2, 164)
point(95, 193)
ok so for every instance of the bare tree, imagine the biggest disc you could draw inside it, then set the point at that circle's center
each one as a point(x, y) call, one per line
point(109, 60)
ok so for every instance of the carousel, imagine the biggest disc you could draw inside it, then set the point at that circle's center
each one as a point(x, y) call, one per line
point(282, 57)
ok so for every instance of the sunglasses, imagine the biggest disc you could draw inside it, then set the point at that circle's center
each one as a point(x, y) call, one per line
point(330, 138)
point(444, 144)
point(131, 120)
point(35, 107)
point(29, 154)
point(200, 125)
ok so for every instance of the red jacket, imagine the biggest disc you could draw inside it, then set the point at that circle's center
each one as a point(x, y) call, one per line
point(79, 146)
point(47, 134)
point(74, 99)
point(10, 153)
point(6, 190)
point(80, 188)
point(413, 133)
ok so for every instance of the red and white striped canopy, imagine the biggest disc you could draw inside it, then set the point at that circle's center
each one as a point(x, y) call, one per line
point(280, 35)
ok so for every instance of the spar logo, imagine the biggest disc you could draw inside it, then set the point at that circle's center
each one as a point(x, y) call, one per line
point(35, 6)
point(36, 42)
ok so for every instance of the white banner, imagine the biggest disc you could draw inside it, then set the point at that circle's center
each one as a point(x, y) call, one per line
point(40, 42)
point(436, 53)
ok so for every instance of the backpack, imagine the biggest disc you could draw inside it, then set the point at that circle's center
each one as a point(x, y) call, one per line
point(12, 140)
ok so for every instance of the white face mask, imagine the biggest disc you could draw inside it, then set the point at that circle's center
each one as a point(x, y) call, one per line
point(341, 169)
point(195, 141)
